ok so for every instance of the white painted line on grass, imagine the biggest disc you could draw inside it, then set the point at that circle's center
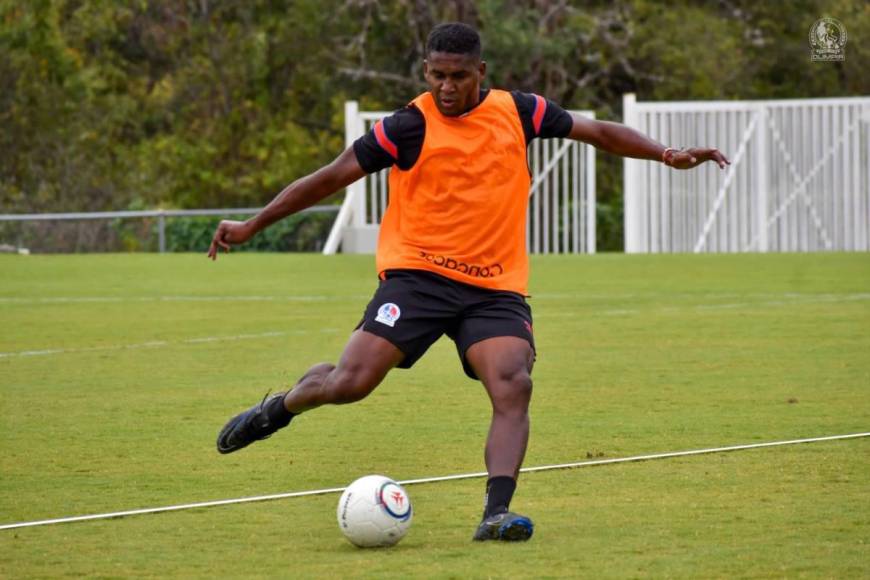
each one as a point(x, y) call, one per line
point(160, 343)
point(205, 504)
point(708, 295)
point(820, 299)
point(788, 296)
point(118, 299)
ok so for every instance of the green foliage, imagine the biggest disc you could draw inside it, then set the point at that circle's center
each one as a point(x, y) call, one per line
point(298, 233)
point(304, 232)
point(160, 103)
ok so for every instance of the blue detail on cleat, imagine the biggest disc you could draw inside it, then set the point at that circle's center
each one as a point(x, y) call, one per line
point(506, 527)
point(517, 530)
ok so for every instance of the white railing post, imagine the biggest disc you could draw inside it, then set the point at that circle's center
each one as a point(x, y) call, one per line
point(630, 202)
point(591, 201)
point(865, 175)
point(354, 129)
point(761, 171)
point(354, 196)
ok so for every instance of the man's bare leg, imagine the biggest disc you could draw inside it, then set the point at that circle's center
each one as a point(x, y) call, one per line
point(364, 363)
point(504, 365)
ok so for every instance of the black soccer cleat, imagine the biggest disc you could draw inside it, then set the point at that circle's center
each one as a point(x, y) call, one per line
point(251, 425)
point(505, 526)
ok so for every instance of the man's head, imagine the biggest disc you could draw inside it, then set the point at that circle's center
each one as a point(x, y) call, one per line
point(453, 67)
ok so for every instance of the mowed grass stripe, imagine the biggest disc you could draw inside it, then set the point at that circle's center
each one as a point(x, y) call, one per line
point(428, 479)
point(786, 512)
point(575, 309)
point(99, 430)
point(163, 343)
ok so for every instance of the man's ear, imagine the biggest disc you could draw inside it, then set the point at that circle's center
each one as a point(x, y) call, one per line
point(425, 67)
point(482, 69)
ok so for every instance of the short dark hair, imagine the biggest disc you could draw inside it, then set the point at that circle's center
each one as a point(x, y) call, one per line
point(454, 38)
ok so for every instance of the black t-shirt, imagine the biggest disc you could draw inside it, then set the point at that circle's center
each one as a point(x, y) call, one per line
point(407, 127)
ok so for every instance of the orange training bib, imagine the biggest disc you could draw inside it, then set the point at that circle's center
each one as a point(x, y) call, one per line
point(460, 211)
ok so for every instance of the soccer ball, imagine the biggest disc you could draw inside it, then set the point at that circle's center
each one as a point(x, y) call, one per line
point(374, 511)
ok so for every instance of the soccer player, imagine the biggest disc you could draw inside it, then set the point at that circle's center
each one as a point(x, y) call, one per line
point(451, 255)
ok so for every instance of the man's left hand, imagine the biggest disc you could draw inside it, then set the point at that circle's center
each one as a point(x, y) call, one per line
point(689, 158)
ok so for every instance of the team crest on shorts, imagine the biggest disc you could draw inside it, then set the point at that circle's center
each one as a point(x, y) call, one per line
point(388, 314)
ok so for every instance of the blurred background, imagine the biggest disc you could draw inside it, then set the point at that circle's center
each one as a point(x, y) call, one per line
point(174, 104)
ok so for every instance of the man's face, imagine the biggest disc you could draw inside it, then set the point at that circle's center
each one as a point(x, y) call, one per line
point(454, 80)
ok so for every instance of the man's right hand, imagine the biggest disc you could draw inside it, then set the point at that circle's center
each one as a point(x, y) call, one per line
point(229, 232)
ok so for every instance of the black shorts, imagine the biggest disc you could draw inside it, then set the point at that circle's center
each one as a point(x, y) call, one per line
point(413, 308)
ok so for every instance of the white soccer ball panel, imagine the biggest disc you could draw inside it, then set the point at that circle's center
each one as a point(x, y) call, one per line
point(374, 511)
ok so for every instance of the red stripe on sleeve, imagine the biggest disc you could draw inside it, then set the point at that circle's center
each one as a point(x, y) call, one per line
point(538, 116)
point(384, 141)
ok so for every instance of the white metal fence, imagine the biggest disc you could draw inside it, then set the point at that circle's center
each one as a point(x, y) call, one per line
point(561, 217)
point(160, 215)
point(799, 179)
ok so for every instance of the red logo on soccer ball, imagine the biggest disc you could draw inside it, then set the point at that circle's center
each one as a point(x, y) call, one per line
point(398, 497)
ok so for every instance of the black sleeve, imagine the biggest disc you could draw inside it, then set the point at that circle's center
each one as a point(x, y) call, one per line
point(557, 122)
point(398, 141)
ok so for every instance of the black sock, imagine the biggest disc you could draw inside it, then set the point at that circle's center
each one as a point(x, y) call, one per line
point(277, 413)
point(499, 491)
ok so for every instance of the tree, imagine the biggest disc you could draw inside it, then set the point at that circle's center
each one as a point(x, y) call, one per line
point(178, 103)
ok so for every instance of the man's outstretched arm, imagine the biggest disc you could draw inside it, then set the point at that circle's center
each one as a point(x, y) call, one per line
point(302, 193)
point(627, 142)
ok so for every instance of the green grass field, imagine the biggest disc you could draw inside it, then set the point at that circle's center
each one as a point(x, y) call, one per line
point(117, 371)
